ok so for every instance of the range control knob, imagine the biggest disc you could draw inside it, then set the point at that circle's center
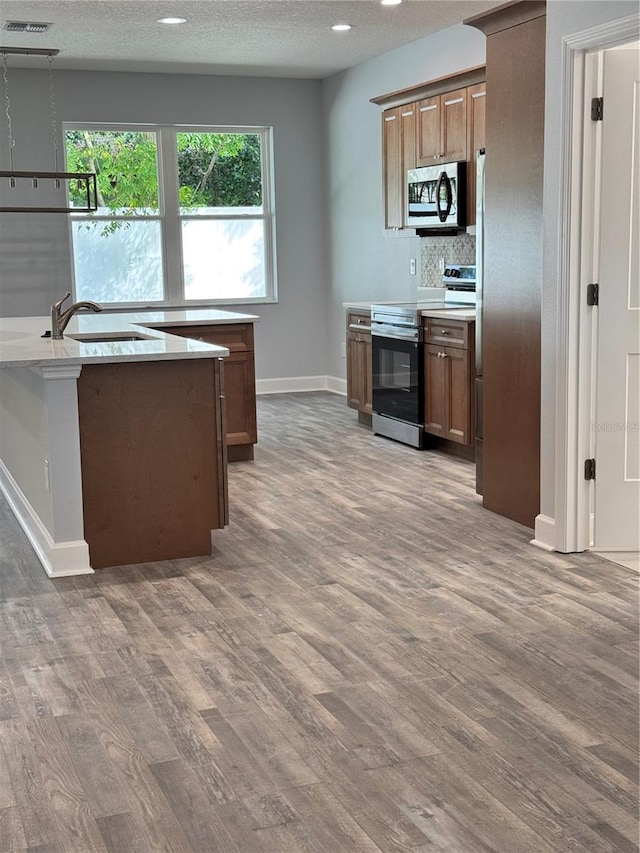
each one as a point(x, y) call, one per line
point(447, 272)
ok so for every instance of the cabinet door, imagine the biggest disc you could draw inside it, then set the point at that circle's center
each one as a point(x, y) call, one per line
point(240, 380)
point(429, 139)
point(399, 154)
point(447, 400)
point(392, 167)
point(456, 363)
point(408, 159)
point(435, 391)
point(356, 372)
point(240, 391)
point(476, 106)
point(476, 111)
point(453, 123)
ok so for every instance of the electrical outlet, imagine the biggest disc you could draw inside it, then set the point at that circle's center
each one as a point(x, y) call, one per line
point(47, 478)
point(412, 266)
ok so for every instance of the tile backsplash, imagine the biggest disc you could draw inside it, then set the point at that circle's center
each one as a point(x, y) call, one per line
point(460, 249)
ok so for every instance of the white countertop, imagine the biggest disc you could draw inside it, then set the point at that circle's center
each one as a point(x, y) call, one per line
point(21, 344)
point(466, 313)
point(435, 308)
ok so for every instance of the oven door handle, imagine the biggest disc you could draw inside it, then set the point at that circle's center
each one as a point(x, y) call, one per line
point(396, 333)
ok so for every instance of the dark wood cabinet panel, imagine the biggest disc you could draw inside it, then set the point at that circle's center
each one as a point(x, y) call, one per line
point(153, 459)
point(513, 240)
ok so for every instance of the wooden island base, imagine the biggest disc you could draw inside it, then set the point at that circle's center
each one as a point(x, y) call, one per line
point(153, 459)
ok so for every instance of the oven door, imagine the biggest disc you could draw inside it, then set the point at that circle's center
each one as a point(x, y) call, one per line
point(397, 374)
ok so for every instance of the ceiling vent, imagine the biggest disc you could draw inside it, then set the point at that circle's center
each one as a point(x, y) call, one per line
point(25, 27)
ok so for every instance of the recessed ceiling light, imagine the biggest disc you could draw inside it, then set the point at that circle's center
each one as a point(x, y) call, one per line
point(172, 20)
point(341, 28)
point(390, 2)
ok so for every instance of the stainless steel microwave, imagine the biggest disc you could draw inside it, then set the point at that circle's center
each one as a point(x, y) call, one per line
point(436, 197)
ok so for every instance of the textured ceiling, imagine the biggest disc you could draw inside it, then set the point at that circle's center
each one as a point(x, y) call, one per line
point(276, 38)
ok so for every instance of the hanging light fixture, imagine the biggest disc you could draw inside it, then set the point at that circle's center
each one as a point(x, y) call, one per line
point(85, 181)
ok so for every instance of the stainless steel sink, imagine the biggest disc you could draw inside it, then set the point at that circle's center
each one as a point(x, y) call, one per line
point(108, 338)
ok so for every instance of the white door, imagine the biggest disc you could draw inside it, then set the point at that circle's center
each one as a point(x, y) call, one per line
point(617, 413)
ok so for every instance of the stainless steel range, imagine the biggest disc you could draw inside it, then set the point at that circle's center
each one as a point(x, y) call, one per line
point(398, 358)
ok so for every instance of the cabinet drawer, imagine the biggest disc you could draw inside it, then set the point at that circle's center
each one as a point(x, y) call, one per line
point(449, 333)
point(237, 337)
point(357, 319)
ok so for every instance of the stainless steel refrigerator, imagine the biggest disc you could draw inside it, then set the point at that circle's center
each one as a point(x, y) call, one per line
point(480, 158)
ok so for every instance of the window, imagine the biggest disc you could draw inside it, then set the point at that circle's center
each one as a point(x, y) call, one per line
point(184, 215)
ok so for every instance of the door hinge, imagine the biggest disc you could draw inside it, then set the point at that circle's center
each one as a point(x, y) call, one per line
point(589, 469)
point(597, 109)
point(593, 294)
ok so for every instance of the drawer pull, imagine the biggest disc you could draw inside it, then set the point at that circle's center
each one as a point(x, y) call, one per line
point(359, 327)
point(446, 332)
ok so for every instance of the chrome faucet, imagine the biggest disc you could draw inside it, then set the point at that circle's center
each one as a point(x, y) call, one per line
point(60, 318)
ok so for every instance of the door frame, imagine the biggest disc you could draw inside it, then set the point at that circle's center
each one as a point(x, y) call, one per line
point(573, 525)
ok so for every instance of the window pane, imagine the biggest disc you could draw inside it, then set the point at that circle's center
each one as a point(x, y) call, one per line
point(224, 259)
point(219, 170)
point(117, 261)
point(126, 166)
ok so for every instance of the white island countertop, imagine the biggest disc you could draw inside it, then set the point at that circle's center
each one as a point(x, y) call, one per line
point(22, 344)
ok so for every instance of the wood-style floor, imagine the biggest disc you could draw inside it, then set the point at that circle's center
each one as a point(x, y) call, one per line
point(369, 662)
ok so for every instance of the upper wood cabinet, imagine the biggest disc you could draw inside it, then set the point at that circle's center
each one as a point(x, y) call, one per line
point(442, 123)
point(399, 154)
point(476, 111)
point(442, 128)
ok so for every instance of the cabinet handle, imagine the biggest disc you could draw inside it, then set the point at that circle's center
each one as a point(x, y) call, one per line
point(446, 332)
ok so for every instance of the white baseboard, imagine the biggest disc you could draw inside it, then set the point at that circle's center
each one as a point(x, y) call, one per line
point(297, 384)
point(337, 385)
point(59, 559)
point(545, 533)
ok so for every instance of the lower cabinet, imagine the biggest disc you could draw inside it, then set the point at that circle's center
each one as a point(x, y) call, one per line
point(449, 379)
point(359, 385)
point(446, 400)
point(239, 381)
point(153, 459)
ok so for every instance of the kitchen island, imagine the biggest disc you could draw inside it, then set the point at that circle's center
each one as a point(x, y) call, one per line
point(112, 440)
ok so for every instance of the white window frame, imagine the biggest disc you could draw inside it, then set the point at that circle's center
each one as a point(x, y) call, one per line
point(171, 219)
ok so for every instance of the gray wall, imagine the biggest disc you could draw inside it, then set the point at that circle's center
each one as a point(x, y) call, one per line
point(35, 265)
point(367, 263)
point(563, 19)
